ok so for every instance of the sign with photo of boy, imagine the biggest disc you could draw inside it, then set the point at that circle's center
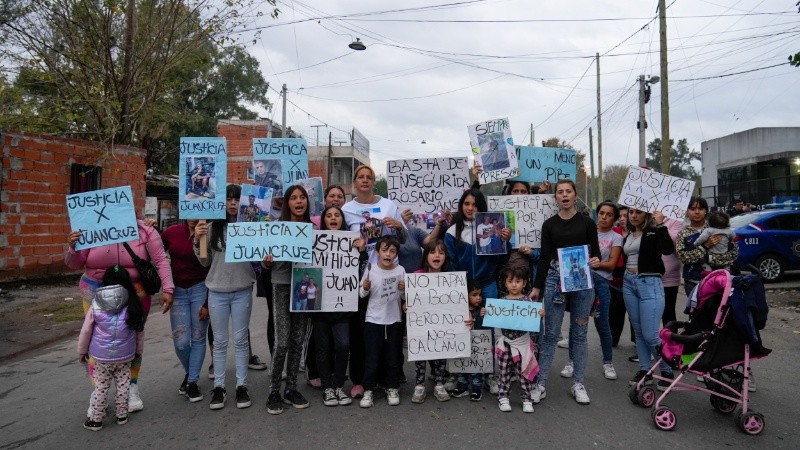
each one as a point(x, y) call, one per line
point(202, 173)
point(488, 226)
point(573, 265)
point(493, 146)
point(254, 203)
point(334, 272)
point(529, 212)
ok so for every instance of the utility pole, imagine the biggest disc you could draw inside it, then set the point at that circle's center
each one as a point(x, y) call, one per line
point(316, 143)
point(283, 121)
point(591, 159)
point(599, 135)
point(665, 143)
point(533, 142)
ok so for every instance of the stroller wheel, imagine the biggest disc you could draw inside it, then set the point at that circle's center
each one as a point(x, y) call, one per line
point(722, 405)
point(751, 423)
point(664, 418)
point(633, 395)
point(646, 397)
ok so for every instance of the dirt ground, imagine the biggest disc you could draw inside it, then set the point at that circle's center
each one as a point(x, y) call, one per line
point(34, 315)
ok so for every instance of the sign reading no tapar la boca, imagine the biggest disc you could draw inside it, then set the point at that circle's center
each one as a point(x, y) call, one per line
point(436, 309)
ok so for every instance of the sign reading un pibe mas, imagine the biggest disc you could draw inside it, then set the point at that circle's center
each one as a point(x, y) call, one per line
point(105, 216)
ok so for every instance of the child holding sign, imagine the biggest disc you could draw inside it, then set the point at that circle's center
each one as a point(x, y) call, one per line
point(514, 348)
point(434, 259)
point(473, 382)
point(383, 329)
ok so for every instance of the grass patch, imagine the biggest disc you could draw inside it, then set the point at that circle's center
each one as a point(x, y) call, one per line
point(62, 311)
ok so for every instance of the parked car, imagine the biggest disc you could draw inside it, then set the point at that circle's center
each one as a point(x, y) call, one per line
point(769, 240)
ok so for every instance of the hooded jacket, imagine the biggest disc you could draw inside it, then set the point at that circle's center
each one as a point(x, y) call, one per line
point(105, 335)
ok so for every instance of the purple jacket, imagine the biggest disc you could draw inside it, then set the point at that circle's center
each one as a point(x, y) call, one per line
point(105, 335)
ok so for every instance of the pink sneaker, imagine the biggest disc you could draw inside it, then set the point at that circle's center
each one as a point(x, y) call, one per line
point(315, 383)
point(357, 391)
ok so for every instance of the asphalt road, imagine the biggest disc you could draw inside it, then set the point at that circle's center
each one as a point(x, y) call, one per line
point(43, 399)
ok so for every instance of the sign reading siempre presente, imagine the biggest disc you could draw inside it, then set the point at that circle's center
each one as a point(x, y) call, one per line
point(519, 315)
point(537, 164)
point(436, 307)
point(493, 146)
point(105, 216)
point(651, 191)
point(530, 212)
point(427, 185)
point(285, 241)
point(336, 287)
point(202, 171)
point(481, 359)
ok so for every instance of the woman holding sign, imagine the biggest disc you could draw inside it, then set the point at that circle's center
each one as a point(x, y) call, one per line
point(565, 229)
point(94, 261)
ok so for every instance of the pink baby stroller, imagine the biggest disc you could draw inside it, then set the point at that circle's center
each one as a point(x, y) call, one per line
point(717, 344)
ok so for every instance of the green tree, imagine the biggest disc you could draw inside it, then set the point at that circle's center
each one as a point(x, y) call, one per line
point(613, 179)
point(127, 71)
point(681, 161)
point(381, 186)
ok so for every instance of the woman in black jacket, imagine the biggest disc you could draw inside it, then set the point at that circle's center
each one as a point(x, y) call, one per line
point(642, 289)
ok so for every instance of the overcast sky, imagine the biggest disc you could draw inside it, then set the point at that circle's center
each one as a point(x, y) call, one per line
point(427, 74)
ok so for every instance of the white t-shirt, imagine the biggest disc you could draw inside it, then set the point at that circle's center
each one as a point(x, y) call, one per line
point(485, 233)
point(384, 295)
point(368, 221)
point(607, 240)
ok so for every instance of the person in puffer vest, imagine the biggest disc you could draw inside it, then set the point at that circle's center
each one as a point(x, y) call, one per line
point(112, 335)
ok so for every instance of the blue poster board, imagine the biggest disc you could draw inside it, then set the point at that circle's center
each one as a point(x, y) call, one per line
point(202, 173)
point(285, 241)
point(279, 163)
point(520, 315)
point(537, 164)
point(105, 216)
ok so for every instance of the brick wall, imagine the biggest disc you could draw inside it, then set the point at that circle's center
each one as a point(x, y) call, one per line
point(35, 182)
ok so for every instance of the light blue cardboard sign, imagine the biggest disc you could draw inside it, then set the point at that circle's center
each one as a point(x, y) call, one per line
point(279, 163)
point(105, 216)
point(202, 173)
point(512, 314)
point(537, 164)
point(285, 241)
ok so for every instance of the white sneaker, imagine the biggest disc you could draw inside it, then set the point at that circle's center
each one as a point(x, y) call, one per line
point(134, 399)
point(538, 393)
point(393, 395)
point(366, 400)
point(419, 394)
point(450, 384)
point(440, 393)
point(579, 392)
point(504, 405)
point(527, 406)
point(564, 343)
point(491, 382)
point(609, 371)
point(700, 378)
point(568, 370)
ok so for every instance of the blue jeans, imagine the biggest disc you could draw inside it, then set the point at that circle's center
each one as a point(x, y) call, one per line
point(473, 381)
point(489, 291)
point(644, 300)
point(188, 331)
point(603, 292)
point(235, 306)
point(580, 304)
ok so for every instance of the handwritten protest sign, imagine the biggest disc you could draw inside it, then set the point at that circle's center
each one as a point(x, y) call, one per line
point(651, 191)
point(105, 216)
point(481, 359)
point(512, 314)
point(427, 185)
point(279, 162)
point(530, 212)
point(546, 163)
point(493, 146)
point(436, 309)
point(574, 271)
point(335, 288)
point(202, 171)
point(285, 241)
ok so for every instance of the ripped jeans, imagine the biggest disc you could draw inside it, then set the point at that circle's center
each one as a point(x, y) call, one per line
point(188, 331)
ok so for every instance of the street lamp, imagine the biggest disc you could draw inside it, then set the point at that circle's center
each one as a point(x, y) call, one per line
point(357, 45)
point(644, 97)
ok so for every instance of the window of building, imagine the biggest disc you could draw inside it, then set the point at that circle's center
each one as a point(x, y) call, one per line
point(84, 178)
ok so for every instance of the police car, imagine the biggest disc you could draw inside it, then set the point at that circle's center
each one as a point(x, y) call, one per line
point(769, 240)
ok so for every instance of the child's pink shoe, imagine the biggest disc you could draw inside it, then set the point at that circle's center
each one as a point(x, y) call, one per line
point(357, 391)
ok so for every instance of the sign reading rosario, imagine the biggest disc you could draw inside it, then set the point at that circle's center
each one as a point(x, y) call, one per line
point(436, 308)
point(105, 216)
point(512, 314)
point(427, 185)
point(650, 191)
point(285, 241)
